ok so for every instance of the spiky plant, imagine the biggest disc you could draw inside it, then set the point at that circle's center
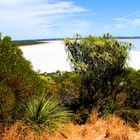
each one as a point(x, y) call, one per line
point(44, 114)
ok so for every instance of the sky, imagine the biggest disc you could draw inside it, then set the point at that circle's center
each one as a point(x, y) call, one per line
point(38, 19)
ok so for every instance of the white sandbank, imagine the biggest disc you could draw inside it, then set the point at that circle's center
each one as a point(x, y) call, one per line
point(47, 57)
point(51, 56)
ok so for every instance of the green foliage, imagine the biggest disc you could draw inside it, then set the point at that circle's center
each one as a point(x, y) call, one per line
point(132, 89)
point(81, 115)
point(18, 82)
point(97, 54)
point(7, 100)
point(131, 116)
point(65, 85)
point(46, 114)
point(51, 87)
point(99, 60)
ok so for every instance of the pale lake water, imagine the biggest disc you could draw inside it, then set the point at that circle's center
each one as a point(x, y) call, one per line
point(51, 56)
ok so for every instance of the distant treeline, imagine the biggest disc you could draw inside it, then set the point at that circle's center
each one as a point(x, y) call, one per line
point(128, 37)
point(38, 41)
point(35, 41)
point(24, 43)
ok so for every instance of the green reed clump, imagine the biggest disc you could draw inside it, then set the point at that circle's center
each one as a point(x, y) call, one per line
point(44, 114)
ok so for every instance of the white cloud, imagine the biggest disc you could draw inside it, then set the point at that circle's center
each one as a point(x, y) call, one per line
point(2, 2)
point(33, 16)
point(119, 25)
point(135, 21)
point(132, 19)
point(57, 8)
point(132, 14)
point(17, 2)
point(122, 19)
point(39, 10)
point(106, 27)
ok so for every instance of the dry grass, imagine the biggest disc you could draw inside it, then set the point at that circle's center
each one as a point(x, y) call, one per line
point(109, 128)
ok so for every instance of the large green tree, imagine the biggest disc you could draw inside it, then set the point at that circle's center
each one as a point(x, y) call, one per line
point(99, 60)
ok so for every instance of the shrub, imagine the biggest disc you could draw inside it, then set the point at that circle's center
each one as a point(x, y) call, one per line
point(7, 101)
point(18, 81)
point(99, 60)
point(46, 114)
point(130, 116)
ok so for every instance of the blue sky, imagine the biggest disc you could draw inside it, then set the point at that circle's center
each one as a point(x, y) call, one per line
point(31, 19)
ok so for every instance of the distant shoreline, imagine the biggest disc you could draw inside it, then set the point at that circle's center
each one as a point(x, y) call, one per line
point(23, 43)
point(26, 43)
point(37, 41)
point(127, 37)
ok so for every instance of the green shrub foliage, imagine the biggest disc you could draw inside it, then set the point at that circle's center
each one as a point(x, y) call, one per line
point(46, 114)
point(18, 82)
point(100, 60)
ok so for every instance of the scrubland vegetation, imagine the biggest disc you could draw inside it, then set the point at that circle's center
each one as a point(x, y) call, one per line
point(108, 128)
point(99, 99)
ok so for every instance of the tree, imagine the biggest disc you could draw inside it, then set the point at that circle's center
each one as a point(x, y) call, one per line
point(99, 60)
point(18, 82)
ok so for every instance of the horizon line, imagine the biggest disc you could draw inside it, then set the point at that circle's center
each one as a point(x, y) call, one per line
point(54, 39)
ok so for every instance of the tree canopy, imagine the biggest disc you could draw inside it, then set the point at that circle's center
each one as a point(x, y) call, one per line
point(99, 60)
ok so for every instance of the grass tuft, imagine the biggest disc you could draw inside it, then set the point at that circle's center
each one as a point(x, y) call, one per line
point(46, 114)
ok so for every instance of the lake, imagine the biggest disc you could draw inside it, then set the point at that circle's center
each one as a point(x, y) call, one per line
point(47, 57)
point(51, 56)
point(134, 60)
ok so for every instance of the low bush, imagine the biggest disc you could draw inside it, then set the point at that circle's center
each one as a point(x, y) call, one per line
point(46, 114)
point(130, 116)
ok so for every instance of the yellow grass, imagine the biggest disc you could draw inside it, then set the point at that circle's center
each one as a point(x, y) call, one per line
point(109, 128)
